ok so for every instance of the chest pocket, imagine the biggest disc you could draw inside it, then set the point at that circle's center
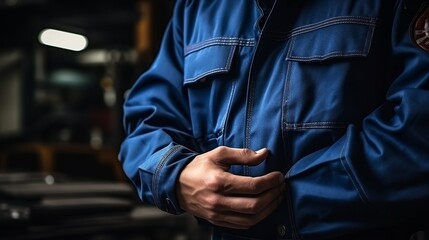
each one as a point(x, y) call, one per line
point(333, 68)
point(203, 61)
point(210, 90)
point(332, 38)
point(329, 72)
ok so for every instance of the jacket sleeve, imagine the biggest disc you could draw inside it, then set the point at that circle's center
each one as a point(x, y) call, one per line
point(377, 174)
point(159, 138)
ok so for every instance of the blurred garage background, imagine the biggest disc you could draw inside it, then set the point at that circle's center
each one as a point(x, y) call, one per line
point(60, 119)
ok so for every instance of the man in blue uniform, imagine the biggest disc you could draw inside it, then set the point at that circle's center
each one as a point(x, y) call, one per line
point(274, 119)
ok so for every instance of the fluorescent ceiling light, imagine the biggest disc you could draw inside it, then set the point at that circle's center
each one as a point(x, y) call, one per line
point(61, 39)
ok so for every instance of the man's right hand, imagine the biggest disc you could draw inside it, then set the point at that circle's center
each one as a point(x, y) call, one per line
point(207, 190)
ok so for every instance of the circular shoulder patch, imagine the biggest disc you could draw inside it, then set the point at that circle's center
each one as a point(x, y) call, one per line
point(421, 29)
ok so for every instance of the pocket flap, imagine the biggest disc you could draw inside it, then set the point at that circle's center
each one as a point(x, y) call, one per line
point(207, 61)
point(333, 38)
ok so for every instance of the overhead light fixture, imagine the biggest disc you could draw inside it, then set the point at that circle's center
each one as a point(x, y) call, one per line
point(62, 39)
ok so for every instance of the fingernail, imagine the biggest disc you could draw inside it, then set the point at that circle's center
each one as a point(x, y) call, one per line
point(262, 150)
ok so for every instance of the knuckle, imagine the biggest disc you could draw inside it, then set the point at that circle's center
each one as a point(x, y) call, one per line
point(212, 201)
point(213, 216)
point(213, 184)
point(220, 150)
point(202, 159)
point(254, 207)
point(253, 185)
point(245, 152)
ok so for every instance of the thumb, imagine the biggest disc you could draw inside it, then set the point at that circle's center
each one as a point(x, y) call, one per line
point(240, 156)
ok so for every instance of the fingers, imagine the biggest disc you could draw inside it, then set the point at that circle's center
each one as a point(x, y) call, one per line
point(247, 218)
point(207, 190)
point(225, 182)
point(253, 204)
point(246, 204)
point(234, 184)
point(238, 156)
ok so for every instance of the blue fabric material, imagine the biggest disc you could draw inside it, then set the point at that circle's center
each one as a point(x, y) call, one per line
point(336, 89)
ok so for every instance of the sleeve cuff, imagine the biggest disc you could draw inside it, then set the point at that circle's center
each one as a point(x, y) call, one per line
point(166, 175)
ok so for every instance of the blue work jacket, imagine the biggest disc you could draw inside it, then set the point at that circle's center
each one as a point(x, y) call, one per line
point(337, 90)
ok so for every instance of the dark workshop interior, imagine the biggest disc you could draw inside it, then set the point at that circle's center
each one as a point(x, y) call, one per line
point(61, 120)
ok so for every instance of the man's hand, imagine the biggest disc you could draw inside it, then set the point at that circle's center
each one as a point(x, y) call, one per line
point(207, 190)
